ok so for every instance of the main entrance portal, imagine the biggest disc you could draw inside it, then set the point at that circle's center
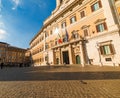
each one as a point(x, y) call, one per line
point(65, 57)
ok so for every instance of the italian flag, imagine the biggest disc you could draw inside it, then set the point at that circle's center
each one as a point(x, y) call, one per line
point(59, 39)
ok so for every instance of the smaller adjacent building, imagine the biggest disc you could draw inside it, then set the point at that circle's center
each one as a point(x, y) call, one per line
point(12, 56)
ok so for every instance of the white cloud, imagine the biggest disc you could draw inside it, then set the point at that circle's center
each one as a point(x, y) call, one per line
point(16, 4)
point(42, 5)
point(3, 34)
point(2, 25)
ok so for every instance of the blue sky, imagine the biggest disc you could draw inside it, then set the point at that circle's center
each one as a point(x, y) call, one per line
point(20, 20)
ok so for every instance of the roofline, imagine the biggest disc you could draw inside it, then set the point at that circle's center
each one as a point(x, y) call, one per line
point(4, 43)
point(17, 47)
point(42, 28)
point(55, 17)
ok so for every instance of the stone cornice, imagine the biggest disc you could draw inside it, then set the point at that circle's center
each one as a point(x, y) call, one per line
point(54, 16)
point(67, 43)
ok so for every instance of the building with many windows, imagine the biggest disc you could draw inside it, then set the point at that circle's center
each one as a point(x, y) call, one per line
point(12, 56)
point(79, 32)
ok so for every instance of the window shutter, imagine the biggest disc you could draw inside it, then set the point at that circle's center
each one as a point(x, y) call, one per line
point(75, 18)
point(100, 4)
point(70, 20)
point(65, 24)
point(97, 28)
point(101, 50)
point(82, 14)
point(92, 8)
point(112, 49)
point(85, 32)
point(105, 25)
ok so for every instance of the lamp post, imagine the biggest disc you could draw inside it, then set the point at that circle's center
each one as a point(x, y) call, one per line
point(98, 49)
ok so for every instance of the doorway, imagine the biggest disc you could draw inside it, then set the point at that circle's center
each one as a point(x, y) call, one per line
point(57, 60)
point(78, 61)
point(65, 57)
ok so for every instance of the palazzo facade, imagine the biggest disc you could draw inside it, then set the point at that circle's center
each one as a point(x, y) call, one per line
point(12, 56)
point(79, 32)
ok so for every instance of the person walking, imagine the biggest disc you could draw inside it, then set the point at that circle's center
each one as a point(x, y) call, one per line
point(1, 65)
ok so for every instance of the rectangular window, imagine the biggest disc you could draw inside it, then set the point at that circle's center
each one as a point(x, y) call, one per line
point(46, 46)
point(73, 19)
point(51, 32)
point(75, 35)
point(107, 49)
point(101, 27)
point(56, 42)
point(63, 25)
point(46, 34)
point(85, 32)
point(82, 14)
point(108, 59)
point(46, 58)
point(96, 6)
point(61, 1)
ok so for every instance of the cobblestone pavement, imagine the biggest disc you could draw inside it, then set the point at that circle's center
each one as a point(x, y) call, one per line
point(60, 82)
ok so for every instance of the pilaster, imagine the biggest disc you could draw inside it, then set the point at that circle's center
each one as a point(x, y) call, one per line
point(82, 54)
point(70, 54)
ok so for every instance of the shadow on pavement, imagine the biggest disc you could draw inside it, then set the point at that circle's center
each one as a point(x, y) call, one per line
point(29, 74)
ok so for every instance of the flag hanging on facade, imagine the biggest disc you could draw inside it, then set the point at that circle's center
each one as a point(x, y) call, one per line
point(66, 35)
point(59, 39)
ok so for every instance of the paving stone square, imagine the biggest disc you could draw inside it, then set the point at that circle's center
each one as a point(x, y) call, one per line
point(60, 82)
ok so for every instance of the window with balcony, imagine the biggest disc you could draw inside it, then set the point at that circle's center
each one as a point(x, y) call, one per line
point(46, 46)
point(56, 42)
point(96, 6)
point(82, 14)
point(101, 27)
point(73, 19)
point(63, 25)
point(107, 49)
point(51, 32)
point(85, 31)
point(46, 34)
point(75, 35)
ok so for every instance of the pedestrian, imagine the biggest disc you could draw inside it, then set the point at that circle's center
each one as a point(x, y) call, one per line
point(20, 65)
point(1, 65)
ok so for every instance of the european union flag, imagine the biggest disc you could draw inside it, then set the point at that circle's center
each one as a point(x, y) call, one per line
point(66, 35)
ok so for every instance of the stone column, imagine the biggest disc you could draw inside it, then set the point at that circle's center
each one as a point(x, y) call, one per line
point(54, 57)
point(70, 54)
point(60, 62)
point(82, 54)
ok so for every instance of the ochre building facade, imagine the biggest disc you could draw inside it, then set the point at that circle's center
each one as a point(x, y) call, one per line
point(80, 32)
point(12, 56)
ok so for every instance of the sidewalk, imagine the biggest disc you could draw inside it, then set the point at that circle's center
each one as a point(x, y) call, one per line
point(79, 68)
